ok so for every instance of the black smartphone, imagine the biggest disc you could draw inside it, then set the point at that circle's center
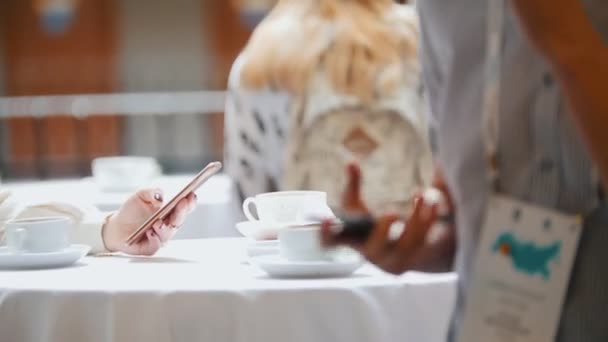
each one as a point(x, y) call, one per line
point(359, 228)
point(354, 228)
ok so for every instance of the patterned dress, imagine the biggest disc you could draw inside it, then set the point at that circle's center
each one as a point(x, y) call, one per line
point(278, 138)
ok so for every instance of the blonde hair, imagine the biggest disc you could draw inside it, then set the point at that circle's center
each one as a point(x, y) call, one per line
point(359, 45)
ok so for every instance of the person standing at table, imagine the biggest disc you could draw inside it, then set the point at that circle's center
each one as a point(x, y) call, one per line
point(294, 120)
point(105, 233)
point(545, 147)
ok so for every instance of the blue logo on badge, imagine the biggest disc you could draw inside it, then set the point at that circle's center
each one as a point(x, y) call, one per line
point(526, 256)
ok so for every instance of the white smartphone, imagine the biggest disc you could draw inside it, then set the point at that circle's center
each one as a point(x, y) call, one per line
point(162, 213)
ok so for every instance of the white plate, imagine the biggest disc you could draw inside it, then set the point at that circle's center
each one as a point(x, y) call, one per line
point(257, 248)
point(279, 267)
point(67, 257)
point(264, 231)
point(258, 230)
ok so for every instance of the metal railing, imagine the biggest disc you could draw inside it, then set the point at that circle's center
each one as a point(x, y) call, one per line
point(154, 124)
point(203, 102)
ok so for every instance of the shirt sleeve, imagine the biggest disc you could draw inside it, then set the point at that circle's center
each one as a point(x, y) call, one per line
point(88, 222)
point(431, 72)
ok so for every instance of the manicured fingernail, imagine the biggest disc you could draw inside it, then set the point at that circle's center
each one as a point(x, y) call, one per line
point(158, 197)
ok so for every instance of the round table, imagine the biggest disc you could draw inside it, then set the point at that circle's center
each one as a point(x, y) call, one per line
point(216, 215)
point(205, 290)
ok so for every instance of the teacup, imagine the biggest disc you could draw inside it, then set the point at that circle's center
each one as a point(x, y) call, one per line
point(302, 243)
point(124, 173)
point(38, 235)
point(288, 206)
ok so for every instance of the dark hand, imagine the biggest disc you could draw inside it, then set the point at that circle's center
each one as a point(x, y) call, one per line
point(394, 256)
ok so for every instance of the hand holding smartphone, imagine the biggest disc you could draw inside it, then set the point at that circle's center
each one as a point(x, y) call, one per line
point(358, 228)
point(162, 213)
point(355, 228)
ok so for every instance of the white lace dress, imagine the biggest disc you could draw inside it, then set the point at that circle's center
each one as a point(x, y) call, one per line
point(278, 140)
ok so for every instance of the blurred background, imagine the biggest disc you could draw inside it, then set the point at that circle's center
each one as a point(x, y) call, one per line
point(81, 79)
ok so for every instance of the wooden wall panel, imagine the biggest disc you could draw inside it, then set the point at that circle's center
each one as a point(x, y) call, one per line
point(227, 35)
point(103, 137)
point(162, 49)
point(81, 60)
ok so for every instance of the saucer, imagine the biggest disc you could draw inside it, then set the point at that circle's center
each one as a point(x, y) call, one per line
point(279, 267)
point(258, 230)
point(264, 231)
point(66, 257)
point(257, 248)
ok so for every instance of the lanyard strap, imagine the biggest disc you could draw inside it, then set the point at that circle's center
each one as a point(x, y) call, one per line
point(492, 86)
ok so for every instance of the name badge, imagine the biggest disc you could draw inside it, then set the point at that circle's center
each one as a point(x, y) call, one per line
point(521, 273)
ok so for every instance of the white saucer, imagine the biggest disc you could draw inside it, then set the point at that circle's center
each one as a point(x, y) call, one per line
point(264, 231)
point(67, 257)
point(258, 230)
point(257, 248)
point(279, 267)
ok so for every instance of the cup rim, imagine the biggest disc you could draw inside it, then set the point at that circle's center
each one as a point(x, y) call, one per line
point(35, 221)
point(290, 193)
point(296, 230)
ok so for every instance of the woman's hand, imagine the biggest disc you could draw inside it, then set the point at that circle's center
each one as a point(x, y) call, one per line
point(134, 212)
point(411, 250)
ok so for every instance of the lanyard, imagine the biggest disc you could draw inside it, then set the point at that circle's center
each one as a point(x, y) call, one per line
point(492, 86)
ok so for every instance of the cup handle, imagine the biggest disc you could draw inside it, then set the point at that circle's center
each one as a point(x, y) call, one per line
point(15, 239)
point(246, 205)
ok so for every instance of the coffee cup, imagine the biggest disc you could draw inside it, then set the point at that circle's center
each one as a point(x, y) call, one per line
point(287, 206)
point(38, 235)
point(302, 243)
point(125, 173)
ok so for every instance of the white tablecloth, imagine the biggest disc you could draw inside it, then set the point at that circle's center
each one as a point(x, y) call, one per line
point(216, 215)
point(202, 290)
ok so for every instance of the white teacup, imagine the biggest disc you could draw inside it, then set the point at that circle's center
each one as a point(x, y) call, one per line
point(287, 206)
point(302, 243)
point(124, 173)
point(38, 235)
